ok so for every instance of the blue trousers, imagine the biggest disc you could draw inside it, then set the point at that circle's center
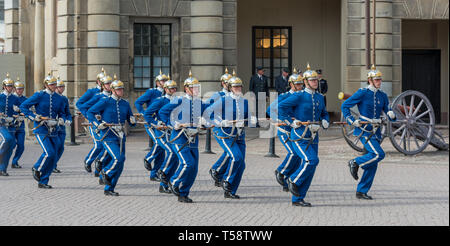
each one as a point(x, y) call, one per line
point(304, 174)
point(235, 169)
point(96, 150)
point(115, 167)
point(20, 146)
point(369, 163)
point(155, 155)
point(170, 163)
point(60, 147)
point(46, 162)
point(292, 161)
point(7, 144)
point(187, 170)
point(221, 165)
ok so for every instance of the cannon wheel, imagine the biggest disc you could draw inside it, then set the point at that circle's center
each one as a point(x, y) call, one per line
point(411, 133)
point(354, 141)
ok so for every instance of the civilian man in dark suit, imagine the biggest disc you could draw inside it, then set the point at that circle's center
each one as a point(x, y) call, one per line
point(323, 86)
point(259, 83)
point(281, 82)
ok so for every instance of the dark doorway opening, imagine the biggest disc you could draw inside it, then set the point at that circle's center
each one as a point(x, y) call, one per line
point(421, 71)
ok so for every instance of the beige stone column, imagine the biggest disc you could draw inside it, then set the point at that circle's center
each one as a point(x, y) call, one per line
point(11, 26)
point(39, 44)
point(207, 43)
point(103, 38)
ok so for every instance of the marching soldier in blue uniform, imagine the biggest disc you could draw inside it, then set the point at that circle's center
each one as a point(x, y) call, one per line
point(162, 134)
point(9, 111)
point(49, 106)
point(19, 87)
point(156, 153)
point(231, 114)
point(109, 116)
point(371, 102)
point(220, 166)
point(184, 114)
point(97, 149)
point(62, 122)
point(307, 106)
point(103, 157)
point(291, 162)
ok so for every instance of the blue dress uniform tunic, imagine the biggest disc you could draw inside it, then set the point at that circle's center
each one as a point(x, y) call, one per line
point(113, 111)
point(371, 103)
point(183, 110)
point(220, 166)
point(232, 140)
point(151, 116)
point(83, 104)
point(62, 130)
point(7, 129)
point(48, 104)
point(292, 161)
point(307, 106)
point(156, 153)
point(20, 136)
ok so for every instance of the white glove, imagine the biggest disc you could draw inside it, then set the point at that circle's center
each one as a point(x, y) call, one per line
point(314, 127)
point(391, 114)
point(52, 123)
point(356, 123)
point(15, 108)
point(61, 121)
point(226, 123)
point(296, 124)
point(132, 120)
point(98, 117)
point(376, 121)
point(253, 120)
point(9, 119)
point(203, 121)
point(38, 118)
point(21, 118)
point(240, 123)
point(67, 123)
point(160, 124)
point(325, 124)
point(102, 126)
point(177, 126)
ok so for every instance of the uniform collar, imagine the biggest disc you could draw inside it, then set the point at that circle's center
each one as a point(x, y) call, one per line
point(168, 96)
point(291, 91)
point(234, 96)
point(17, 95)
point(160, 89)
point(309, 91)
point(224, 90)
point(99, 87)
point(188, 96)
point(49, 91)
point(106, 93)
point(372, 88)
point(6, 93)
point(115, 97)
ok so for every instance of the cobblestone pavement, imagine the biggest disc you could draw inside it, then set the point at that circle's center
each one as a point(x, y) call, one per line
point(407, 191)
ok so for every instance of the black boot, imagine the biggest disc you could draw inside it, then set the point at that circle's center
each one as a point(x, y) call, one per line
point(110, 193)
point(147, 165)
point(214, 175)
point(44, 186)
point(36, 174)
point(217, 183)
point(353, 168)
point(3, 173)
point(165, 190)
point(364, 196)
point(226, 186)
point(301, 203)
point(184, 199)
point(279, 177)
point(100, 182)
point(56, 170)
point(98, 166)
point(106, 179)
point(285, 189)
point(175, 190)
point(293, 188)
point(87, 167)
point(15, 166)
point(229, 195)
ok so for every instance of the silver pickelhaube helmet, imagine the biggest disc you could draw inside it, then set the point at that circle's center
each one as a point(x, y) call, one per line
point(161, 77)
point(191, 81)
point(374, 73)
point(101, 75)
point(234, 80)
point(7, 81)
point(19, 84)
point(59, 82)
point(49, 79)
point(295, 78)
point(170, 84)
point(225, 77)
point(117, 84)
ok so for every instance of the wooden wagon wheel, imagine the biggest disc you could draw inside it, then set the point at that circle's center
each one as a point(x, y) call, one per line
point(412, 131)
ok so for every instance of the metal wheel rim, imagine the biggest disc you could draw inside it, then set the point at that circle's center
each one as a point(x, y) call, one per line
point(412, 132)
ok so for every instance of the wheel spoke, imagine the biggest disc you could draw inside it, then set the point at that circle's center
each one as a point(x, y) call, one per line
point(418, 107)
point(422, 114)
point(398, 130)
point(411, 105)
point(402, 138)
point(404, 107)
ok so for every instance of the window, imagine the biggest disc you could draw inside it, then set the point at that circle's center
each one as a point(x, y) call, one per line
point(272, 50)
point(152, 53)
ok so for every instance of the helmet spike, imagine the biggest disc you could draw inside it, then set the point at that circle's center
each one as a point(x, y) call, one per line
point(226, 70)
point(295, 71)
point(372, 67)
point(18, 78)
point(234, 73)
point(115, 76)
point(190, 73)
point(308, 67)
point(168, 76)
point(160, 71)
point(103, 69)
point(7, 75)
